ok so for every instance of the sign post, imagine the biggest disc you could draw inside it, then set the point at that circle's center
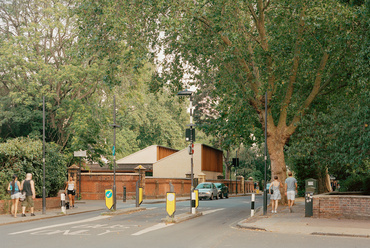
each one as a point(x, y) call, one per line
point(171, 204)
point(79, 154)
point(109, 198)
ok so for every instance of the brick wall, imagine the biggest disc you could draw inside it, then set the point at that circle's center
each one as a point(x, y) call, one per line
point(51, 202)
point(93, 186)
point(341, 206)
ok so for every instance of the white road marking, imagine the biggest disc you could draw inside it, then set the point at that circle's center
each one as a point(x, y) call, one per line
point(153, 228)
point(63, 224)
point(212, 211)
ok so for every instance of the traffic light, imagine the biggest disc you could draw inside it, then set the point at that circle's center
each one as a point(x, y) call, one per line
point(235, 162)
point(191, 149)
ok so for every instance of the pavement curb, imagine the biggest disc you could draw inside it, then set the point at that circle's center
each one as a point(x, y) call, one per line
point(124, 211)
point(340, 235)
point(242, 224)
point(181, 217)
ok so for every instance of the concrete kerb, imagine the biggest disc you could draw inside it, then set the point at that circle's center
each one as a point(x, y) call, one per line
point(124, 211)
point(242, 224)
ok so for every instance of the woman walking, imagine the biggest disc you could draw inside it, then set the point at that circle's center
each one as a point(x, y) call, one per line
point(15, 190)
point(276, 196)
point(71, 191)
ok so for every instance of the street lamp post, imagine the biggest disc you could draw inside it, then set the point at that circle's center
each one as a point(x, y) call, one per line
point(264, 187)
point(192, 194)
point(114, 125)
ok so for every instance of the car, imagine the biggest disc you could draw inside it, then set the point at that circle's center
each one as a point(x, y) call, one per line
point(267, 187)
point(207, 191)
point(223, 190)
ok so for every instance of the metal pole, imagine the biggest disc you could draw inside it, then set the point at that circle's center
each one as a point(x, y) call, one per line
point(192, 194)
point(236, 181)
point(43, 157)
point(79, 177)
point(265, 190)
point(114, 153)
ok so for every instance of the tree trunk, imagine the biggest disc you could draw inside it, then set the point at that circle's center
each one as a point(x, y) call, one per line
point(275, 147)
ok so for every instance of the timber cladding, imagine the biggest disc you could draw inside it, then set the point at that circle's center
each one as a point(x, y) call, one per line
point(163, 152)
point(211, 159)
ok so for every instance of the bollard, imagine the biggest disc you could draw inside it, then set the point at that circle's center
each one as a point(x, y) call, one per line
point(63, 203)
point(124, 193)
point(252, 205)
point(193, 203)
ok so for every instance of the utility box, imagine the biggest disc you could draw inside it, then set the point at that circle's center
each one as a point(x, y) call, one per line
point(311, 185)
point(308, 204)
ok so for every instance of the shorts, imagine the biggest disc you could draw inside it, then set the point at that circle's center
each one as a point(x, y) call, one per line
point(291, 195)
point(28, 202)
point(16, 195)
point(71, 192)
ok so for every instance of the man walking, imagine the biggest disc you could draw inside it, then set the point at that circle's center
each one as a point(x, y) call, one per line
point(28, 185)
point(290, 190)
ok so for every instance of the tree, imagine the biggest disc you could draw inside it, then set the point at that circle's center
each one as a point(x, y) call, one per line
point(40, 57)
point(340, 141)
point(293, 50)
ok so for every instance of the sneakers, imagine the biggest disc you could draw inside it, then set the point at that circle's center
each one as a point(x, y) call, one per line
point(23, 215)
point(32, 214)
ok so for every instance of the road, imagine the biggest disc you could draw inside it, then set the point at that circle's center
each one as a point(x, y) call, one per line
point(216, 228)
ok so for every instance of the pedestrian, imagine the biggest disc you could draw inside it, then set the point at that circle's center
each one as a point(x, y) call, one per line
point(291, 189)
point(276, 196)
point(71, 191)
point(15, 192)
point(28, 186)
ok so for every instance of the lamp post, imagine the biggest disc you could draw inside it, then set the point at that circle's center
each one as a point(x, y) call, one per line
point(264, 187)
point(114, 125)
point(43, 158)
point(192, 194)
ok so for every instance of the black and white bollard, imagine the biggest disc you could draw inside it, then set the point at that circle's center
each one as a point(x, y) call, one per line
point(193, 210)
point(252, 204)
point(63, 203)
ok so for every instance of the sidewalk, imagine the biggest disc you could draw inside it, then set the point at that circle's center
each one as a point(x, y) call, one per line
point(296, 223)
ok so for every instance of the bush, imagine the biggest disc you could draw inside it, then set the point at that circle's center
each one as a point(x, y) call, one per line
point(366, 184)
point(353, 183)
point(23, 155)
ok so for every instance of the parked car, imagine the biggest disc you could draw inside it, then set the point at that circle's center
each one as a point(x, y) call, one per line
point(207, 191)
point(267, 187)
point(223, 190)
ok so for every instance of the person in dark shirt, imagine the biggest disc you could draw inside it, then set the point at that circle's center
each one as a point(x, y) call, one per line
point(28, 185)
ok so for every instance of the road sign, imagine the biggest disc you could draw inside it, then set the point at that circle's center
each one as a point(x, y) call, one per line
point(171, 204)
point(79, 153)
point(196, 198)
point(109, 198)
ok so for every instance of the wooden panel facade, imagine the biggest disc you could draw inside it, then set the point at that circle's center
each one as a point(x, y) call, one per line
point(211, 159)
point(163, 152)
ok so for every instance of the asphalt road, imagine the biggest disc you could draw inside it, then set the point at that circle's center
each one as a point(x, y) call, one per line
point(216, 228)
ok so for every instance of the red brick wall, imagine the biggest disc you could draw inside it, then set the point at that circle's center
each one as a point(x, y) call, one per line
point(341, 206)
point(51, 202)
point(93, 186)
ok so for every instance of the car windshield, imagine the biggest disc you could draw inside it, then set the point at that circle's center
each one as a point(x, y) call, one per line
point(218, 185)
point(204, 186)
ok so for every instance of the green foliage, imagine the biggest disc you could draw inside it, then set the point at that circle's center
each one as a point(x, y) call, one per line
point(22, 155)
point(352, 183)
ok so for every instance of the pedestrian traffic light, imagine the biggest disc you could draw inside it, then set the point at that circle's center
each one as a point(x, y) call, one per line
point(191, 149)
